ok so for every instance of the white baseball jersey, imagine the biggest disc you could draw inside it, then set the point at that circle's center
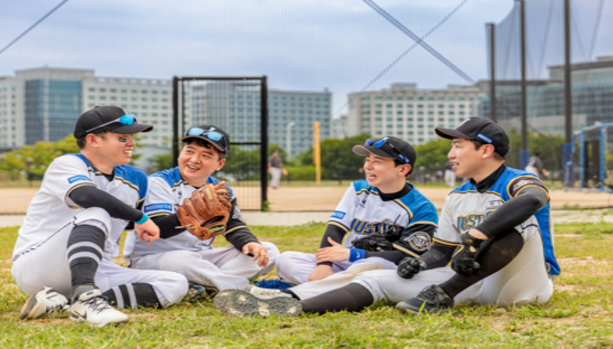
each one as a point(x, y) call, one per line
point(167, 189)
point(52, 209)
point(362, 212)
point(465, 208)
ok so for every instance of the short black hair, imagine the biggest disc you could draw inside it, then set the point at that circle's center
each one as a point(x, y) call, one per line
point(220, 155)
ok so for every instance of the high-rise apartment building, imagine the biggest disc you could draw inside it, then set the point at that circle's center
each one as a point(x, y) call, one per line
point(12, 106)
point(409, 113)
point(235, 107)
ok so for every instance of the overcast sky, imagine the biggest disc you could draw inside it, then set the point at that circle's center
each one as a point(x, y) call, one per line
point(302, 45)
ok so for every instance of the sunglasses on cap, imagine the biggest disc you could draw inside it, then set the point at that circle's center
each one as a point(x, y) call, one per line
point(212, 135)
point(379, 143)
point(128, 119)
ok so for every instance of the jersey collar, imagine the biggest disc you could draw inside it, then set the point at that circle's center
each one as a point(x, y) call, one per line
point(487, 183)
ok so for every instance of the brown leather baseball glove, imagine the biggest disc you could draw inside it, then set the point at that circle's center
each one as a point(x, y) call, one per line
point(206, 212)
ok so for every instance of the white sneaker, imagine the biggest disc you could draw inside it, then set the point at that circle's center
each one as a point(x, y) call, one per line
point(265, 293)
point(91, 306)
point(45, 301)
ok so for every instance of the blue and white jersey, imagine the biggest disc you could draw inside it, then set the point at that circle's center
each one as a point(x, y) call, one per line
point(465, 208)
point(52, 209)
point(362, 212)
point(167, 190)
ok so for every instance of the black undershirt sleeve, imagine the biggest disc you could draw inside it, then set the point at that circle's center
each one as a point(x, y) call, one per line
point(90, 196)
point(168, 225)
point(514, 212)
point(438, 255)
point(239, 234)
point(334, 232)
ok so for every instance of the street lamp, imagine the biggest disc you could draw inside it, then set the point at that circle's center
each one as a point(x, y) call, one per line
point(288, 139)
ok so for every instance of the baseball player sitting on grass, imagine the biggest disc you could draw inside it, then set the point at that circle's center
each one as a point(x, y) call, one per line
point(493, 245)
point(203, 152)
point(73, 225)
point(383, 203)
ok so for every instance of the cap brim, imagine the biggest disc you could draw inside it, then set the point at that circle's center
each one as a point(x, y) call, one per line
point(131, 129)
point(450, 133)
point(205, 139)
point(365, 150)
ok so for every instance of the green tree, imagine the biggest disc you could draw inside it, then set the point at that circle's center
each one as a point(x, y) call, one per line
point(550, 147)
point(337, 158)
point(433, 153)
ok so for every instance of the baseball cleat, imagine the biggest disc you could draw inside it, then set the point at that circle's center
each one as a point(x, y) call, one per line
point(431, 300)
point(45, 301)
point(197, 292)
point(93, 307)
point(265, 292)
point(242, 303)
point(274, 284)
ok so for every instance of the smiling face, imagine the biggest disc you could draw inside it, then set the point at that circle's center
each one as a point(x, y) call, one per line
point(197, 163)
point(468, 161)
point(384, 174)
point(115, 148)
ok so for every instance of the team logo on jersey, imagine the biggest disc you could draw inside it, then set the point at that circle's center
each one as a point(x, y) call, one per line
point(79, 178)
point(492, 205)
point(472, 220)
point(366, 228)
point(158, 207)
point(419, 241)
point(338, 214)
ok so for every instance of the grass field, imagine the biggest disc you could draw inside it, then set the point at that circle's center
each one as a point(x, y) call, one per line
point(580, 313)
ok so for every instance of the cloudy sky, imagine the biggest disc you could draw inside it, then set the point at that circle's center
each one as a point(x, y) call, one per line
point(302, 45)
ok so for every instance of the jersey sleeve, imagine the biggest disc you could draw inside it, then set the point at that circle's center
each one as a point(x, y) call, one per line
point(65, 174)
point(447, 231)
point(345, 210)
point(159, 200)
point(520, 183)
point(416, 238)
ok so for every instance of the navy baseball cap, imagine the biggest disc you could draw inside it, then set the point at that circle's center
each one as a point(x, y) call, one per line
point(483, 130)
point(110, 119)
point(389, 147)
point(210, 133)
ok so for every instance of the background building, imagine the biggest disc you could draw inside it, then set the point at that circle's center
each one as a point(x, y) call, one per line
point(409, 113)
point(12, 128)
point(592, 90)
point(235, 107)
point(338, 127)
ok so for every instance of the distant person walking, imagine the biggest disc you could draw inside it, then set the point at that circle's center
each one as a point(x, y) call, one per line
point(275, 168)
point(535, 165)
point(449, 174)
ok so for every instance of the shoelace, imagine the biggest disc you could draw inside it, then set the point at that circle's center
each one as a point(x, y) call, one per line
point(430, 296)
point(97, 304)
point(60, 308)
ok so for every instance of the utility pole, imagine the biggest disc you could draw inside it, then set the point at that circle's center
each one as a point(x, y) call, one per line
point(492, 27)
point(568, 99)
point(524, 154)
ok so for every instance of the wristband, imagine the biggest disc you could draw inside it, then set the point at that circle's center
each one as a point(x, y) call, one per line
point(142, 220)
point(356, 254)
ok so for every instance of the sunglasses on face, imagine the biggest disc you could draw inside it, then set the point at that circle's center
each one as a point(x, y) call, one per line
point(380, 142)
point(128, 119)
point(212, 135)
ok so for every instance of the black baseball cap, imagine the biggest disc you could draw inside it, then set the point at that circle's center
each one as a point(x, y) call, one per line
point(108, 118)
point(481, 129)
point(389, 147)
point(210, 133)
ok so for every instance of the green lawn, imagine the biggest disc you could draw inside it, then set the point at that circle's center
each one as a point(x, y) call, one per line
point(579, 315)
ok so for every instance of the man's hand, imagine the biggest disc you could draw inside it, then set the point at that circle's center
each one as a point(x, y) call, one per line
point(320, 272)
point(334, 253)
point(410, 266)
point(147, 231)
point(258, 252)
point(464, 257)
